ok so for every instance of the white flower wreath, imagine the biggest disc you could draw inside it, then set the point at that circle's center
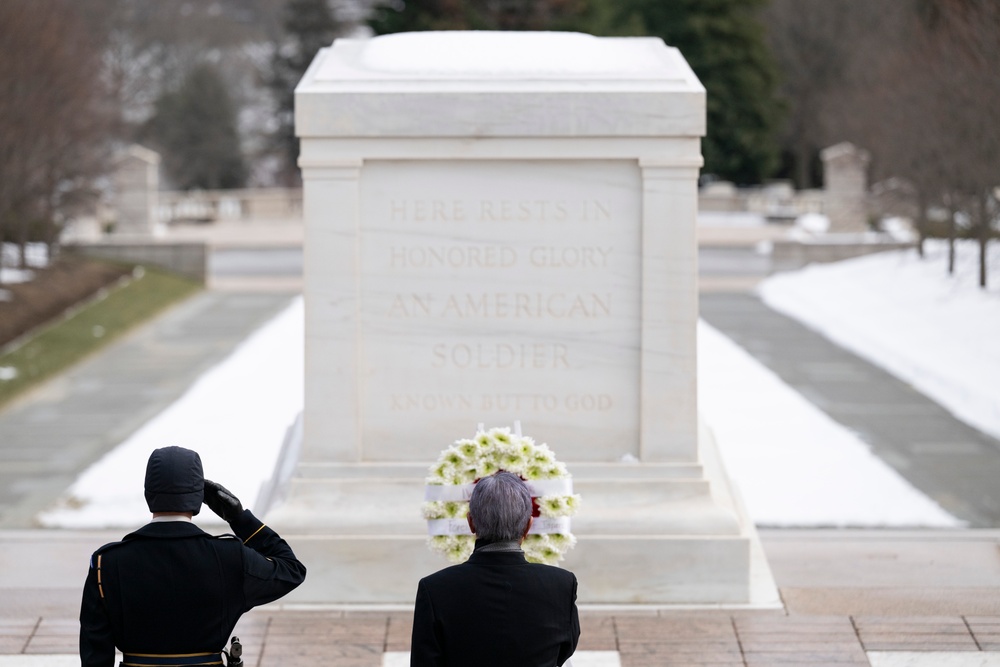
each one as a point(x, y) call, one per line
point(452, 478)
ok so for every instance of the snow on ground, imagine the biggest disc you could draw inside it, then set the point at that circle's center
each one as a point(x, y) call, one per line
point(235, 416)
point(904, 314)
point(36, 256)
point(794, 466)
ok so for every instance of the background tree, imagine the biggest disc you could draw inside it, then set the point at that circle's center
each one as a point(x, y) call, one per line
point(309, 26)
point(53, 118)
point(152, 45)
point(723, 41)
point(195, 129)
point(811, 41)
point(964, 93)
point(419, 15)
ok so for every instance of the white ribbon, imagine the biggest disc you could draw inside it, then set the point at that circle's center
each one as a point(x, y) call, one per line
point(538, 488)
point(551, 487)
point(539, 526)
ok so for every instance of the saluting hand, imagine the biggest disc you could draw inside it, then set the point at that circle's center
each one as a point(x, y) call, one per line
point(222, 501)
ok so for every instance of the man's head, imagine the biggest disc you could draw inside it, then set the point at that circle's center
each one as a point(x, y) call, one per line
point(500, 508)
point(175, 481)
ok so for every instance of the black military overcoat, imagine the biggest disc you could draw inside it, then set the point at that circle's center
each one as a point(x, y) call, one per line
point(172, 589)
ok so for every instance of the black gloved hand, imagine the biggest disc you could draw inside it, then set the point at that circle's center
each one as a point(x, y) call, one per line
point(222, 501)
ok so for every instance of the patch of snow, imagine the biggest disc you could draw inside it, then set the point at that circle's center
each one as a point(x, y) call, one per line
point(814, 223)
point(907, 316)
point(794, 465)
point(898, 229)
point(36, 255)
point(234, 416)
point(510, 52)
point(14, 276)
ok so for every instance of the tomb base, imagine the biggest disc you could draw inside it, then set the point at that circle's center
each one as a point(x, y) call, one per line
point(648, 534)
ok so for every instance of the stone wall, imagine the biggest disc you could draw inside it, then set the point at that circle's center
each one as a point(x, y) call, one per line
point(790, 255)
point(187, 259)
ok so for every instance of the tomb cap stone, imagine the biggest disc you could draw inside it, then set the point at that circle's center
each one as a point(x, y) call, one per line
point(502, 84)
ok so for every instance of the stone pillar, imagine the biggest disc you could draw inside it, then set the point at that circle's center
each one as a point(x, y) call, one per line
point(136, 180)
point(330, 263)
point(669, 427)
point(845, 181)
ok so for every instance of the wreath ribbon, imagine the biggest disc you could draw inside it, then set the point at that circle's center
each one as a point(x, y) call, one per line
point(539, 526)
point(538, 488)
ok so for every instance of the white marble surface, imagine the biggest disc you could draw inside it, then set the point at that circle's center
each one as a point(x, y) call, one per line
point(505, 85)
point(934, 659)
point(579, 659)
point(40, 660)
point(500, 291)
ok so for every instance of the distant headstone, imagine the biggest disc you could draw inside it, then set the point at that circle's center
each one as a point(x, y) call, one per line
point(136, 180)
point(501, 227)
point(845, 182)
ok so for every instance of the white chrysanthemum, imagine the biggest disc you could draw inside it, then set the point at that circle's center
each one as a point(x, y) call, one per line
point(543, 455)
point(562, 541)
point(433, 509)
point(486, 468)
point(454, 456)
point(441, 472)
point(533, 473)
point(556, 470)
point(501, 435)
point(552, 506)
point(456, 509)
point(469, 448)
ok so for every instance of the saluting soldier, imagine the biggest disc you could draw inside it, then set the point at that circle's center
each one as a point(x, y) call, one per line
point(169, 593)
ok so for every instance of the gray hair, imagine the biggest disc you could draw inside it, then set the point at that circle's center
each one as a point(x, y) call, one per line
point(500, 507)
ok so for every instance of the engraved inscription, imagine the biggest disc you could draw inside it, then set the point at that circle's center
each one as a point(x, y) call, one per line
point(502, 305)
point(501, 290)
point(501, 355)
point(498, 210)
point(548, 403)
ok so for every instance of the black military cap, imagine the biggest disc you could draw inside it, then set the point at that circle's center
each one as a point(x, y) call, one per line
point(175, 481)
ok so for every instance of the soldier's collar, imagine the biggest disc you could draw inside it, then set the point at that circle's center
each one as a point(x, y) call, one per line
point(170, 517)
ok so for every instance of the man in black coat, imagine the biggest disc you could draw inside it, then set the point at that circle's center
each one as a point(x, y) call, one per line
point(496, 609)
point(171, 594)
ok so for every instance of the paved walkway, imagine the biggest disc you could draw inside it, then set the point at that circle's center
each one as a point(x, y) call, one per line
point(953, 463)
point(51, 435)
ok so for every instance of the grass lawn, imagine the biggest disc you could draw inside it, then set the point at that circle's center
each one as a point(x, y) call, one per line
point(88, 328)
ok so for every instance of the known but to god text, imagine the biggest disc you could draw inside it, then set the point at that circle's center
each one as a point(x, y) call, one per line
point(568, 403)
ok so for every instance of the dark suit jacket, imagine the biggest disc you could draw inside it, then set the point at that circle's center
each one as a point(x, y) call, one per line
point(495, 610)
point(171, 588)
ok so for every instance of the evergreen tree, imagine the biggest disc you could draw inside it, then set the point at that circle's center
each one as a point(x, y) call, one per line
point(416, 15)
point(724, 42)
point(310, 26)
point(195, 129)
